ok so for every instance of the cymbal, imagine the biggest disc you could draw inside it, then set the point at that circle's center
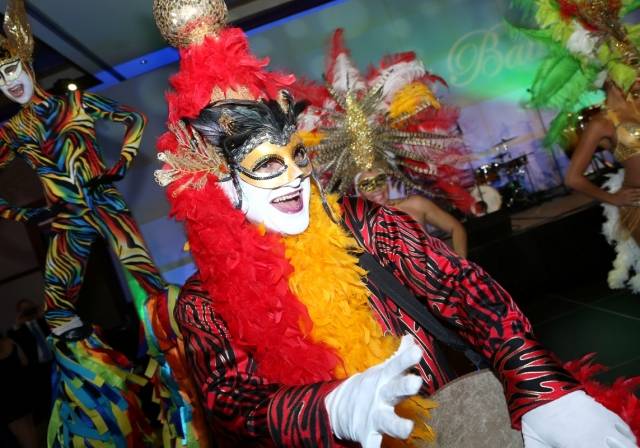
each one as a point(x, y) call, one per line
point(504, 142)
point(503, 146)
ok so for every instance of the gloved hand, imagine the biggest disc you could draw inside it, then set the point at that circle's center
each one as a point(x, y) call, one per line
point(575, 420)
point(361, 408)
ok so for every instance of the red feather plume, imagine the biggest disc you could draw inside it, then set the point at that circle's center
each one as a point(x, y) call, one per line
point(619, 398)
point(246, 273)
point(337, 47)
point(223, 62)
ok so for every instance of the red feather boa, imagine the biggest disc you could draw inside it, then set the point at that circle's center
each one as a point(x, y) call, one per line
point(225, 62)
point(619, 398)
point(246, 273)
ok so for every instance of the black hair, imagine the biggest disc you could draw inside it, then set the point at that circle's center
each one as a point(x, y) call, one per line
point(231, 124)
point(236, 127)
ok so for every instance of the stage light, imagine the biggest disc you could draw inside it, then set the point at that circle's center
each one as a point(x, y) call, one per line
point(72, 86)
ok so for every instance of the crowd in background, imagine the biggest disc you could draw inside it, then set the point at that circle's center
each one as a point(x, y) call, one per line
point(25, 379)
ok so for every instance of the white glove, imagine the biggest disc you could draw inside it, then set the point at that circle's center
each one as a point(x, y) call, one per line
point(575, 420)
point(361, 408)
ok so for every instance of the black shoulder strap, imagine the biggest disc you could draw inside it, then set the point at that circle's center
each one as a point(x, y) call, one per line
point(406, 300)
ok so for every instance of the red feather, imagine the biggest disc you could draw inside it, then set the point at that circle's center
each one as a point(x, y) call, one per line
point(246, 273)
point(337, 48)
point(224, 62)
point(619, 398)
point(432, 119)
point(568, 9)
point(461, 198)
point(432, 78)
point(396, 58)
point(311, 91)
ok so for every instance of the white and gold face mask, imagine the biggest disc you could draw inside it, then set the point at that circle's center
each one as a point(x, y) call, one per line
point(10, 70)
point(275, 185)
point(271, 166)
point(268, 171)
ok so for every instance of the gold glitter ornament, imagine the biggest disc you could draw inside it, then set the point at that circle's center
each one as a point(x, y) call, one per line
point(361, 138)
point(17, 43)
point(358, 128)
point(186, 22)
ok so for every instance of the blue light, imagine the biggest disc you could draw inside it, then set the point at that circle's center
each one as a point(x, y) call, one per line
point(169, 55)
point(279, 22)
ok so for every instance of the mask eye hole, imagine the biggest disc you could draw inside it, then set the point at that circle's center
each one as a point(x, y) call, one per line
point(269, 165)
point(10, 72)
point(11, 69)
point(300, 156)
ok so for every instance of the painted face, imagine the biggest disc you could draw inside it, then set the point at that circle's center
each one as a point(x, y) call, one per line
point(283, 210)
point(372, 185)
point(276, 186)
point(15, 82)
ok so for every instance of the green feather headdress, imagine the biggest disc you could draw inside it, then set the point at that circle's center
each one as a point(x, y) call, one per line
point(587, 43)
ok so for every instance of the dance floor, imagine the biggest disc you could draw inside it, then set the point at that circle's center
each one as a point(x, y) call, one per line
point(555, 263)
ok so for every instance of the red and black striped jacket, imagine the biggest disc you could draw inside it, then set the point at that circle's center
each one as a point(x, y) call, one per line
point(245, 410)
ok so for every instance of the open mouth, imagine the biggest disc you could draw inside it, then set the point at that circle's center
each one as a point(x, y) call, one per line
point(16, 91)
point(289, 203)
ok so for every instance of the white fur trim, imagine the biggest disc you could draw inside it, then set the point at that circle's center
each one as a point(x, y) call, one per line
point(627, 259)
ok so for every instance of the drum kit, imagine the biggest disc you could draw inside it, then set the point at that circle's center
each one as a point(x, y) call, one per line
point(500, 183)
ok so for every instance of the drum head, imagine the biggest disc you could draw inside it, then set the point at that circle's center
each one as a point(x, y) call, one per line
point(472, 413)
point(488, 199)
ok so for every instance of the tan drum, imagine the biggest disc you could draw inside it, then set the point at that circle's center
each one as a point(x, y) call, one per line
point(472, 413)
point(488, 199)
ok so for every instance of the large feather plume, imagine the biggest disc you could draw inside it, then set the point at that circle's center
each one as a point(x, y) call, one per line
point(390, 119)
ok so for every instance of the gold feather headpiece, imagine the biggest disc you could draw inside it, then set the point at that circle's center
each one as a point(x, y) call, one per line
point(356, 123)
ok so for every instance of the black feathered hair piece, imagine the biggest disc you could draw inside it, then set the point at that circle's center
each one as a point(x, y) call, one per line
point(237, 127)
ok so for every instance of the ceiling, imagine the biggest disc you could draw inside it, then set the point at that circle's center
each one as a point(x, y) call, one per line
point(99, 43)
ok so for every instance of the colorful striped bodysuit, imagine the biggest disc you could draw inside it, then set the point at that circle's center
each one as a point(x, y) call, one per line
point(56, 137)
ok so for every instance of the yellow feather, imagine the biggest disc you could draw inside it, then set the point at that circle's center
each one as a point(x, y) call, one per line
point(412, 97)
point(329, 282)
point(311, 138)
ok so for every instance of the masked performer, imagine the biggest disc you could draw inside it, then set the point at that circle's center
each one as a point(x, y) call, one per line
point(589, 44)
point(94, 391)
point(416, 137)
point(289, 342)
point(426, 144)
